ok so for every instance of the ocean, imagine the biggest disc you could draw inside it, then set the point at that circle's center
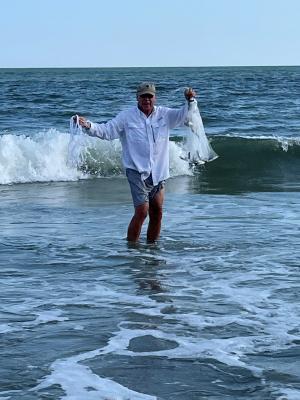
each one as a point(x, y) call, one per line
point(210, 311)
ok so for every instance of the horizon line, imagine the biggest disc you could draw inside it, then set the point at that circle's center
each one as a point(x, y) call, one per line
point(180, 66)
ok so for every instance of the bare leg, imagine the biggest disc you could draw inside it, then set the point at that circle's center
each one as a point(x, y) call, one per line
point(135, 226)
point(155, 216)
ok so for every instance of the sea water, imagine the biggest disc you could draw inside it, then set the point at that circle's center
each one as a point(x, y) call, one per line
point(211, 311)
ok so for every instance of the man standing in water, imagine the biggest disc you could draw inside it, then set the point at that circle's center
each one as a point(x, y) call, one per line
point(144, 134)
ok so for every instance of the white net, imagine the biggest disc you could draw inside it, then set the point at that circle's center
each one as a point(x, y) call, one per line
point(197, 146)
point(77, 144)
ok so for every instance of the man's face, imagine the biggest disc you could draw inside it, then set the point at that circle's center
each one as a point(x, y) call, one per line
point(146, 103)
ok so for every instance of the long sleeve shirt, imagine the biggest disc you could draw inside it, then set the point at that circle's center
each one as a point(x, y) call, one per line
point(144, 140)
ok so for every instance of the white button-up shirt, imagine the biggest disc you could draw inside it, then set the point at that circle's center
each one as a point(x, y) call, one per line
point(145, 140)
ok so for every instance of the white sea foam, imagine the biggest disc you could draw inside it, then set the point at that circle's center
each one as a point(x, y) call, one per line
point(44, 157)
point(288, 394)
point(40, 158)
point(79, 382)
point(256, 308)
point(178, 166)
point(284, 142)
point(227, 351)
point(49, 316)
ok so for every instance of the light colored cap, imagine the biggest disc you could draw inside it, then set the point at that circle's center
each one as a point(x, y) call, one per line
point(146, 88)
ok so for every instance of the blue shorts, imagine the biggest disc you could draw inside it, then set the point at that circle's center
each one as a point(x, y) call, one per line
point(142, 191)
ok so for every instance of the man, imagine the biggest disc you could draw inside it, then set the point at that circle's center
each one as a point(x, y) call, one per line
point(144, 134)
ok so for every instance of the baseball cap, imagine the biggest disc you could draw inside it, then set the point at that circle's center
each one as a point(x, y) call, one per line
point(146, 88)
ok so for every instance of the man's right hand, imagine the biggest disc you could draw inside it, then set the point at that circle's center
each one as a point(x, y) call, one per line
point(84, 123)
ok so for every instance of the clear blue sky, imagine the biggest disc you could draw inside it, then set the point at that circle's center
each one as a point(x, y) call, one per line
point(113, 33)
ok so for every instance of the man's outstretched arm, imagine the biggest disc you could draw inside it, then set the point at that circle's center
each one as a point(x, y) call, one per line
point(108, 131)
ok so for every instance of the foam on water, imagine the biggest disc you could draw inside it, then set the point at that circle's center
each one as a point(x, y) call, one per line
point(284, 142)
point(41, 158)
point(79, 382)
point(288, 394)
point(259, 311)
point(49, 316)
point(227, 266)
point(224, 300)
point(44, 157)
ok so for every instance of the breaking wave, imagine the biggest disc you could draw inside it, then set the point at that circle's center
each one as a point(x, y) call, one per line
point(244, 163)
point(43, 157)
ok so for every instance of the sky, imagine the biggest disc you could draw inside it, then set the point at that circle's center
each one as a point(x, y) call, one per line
point(157, 33)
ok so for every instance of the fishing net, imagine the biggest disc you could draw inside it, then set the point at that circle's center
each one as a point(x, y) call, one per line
point(197, 146)
point(77, 143)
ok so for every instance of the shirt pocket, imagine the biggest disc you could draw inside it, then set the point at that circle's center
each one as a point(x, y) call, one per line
point(136, 132)
point(160, 131)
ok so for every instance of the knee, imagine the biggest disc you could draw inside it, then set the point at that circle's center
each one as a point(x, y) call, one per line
point(156, 212)
point(141, 212)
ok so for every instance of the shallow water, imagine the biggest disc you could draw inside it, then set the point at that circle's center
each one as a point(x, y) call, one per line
point(211, 311)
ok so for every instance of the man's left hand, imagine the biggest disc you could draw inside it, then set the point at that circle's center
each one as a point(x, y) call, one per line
point(189, 93)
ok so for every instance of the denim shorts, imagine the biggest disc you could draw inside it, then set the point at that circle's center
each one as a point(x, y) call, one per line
point(142, 191)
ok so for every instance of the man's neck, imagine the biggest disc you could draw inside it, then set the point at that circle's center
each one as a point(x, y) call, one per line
point(146, 113)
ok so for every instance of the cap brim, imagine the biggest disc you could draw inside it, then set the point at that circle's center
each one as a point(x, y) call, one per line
point(145, 92)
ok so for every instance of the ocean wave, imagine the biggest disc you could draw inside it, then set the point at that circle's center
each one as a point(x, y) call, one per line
point(43, 157)
point(244, 162)
point(252, 164)
point(264, 150)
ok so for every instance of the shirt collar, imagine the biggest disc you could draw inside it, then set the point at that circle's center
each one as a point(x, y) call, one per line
point(143, 115)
